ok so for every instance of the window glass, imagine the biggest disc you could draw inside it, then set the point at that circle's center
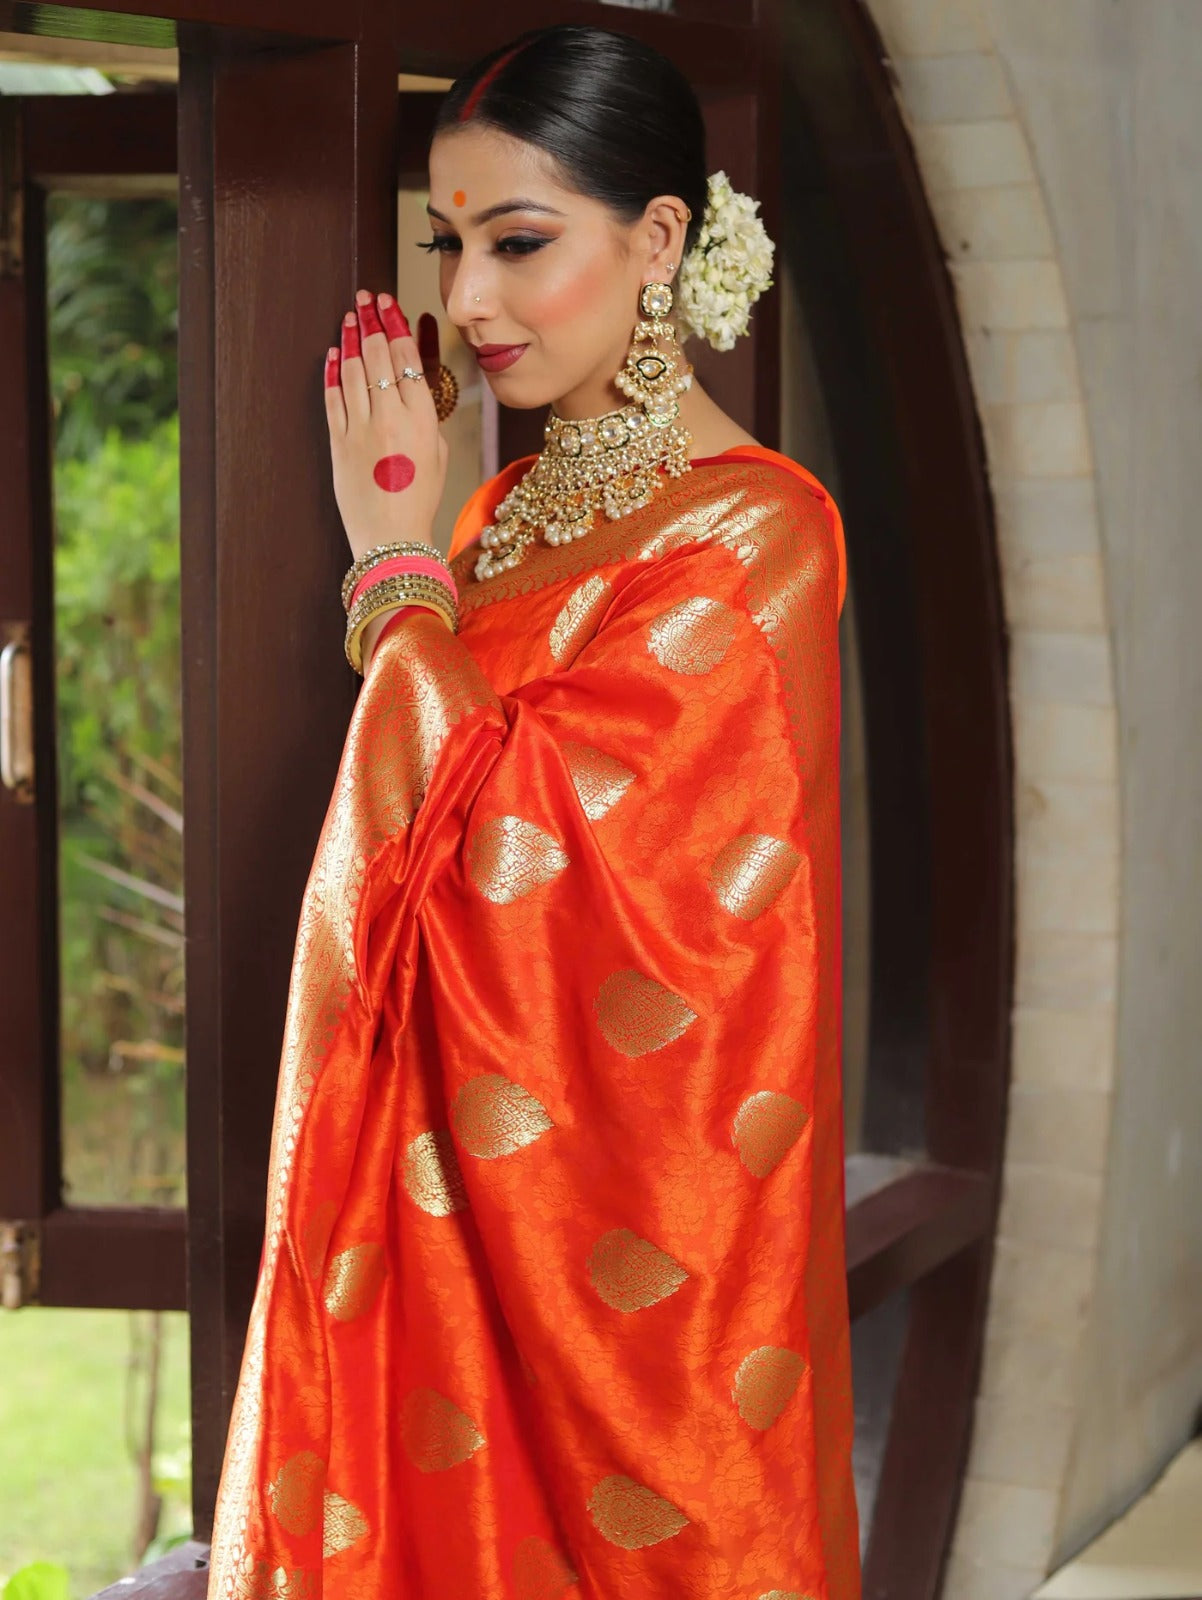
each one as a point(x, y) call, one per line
point(112, 310)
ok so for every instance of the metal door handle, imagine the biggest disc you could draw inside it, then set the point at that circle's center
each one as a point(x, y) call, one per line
point(16, 718)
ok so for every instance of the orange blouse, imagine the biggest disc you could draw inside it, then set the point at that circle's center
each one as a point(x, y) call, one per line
point(553, 1297)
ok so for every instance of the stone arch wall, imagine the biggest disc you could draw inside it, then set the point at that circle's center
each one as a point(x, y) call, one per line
point(976, 160)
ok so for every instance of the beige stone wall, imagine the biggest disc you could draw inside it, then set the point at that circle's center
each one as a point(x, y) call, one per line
point(1060, 143)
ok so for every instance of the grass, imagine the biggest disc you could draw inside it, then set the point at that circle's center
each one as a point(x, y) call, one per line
point(67, 1487)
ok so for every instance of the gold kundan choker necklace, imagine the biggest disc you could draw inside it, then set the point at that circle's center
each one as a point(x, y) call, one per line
point(611, 463)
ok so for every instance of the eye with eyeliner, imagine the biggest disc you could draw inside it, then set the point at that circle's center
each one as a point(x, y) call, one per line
point(515, 245)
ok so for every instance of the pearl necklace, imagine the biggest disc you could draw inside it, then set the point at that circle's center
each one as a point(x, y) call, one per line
point(609, 464)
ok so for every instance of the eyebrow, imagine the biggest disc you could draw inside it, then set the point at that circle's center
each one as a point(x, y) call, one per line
point(503, 209)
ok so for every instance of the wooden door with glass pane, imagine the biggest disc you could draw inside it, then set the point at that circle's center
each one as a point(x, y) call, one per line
point(86, 1218)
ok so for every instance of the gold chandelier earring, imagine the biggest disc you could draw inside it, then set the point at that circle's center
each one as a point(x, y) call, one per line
point(655, 371)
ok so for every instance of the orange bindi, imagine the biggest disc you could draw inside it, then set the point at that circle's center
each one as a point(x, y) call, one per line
point(459, 197)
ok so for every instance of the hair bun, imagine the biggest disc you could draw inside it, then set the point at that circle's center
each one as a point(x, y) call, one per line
point(728, 268)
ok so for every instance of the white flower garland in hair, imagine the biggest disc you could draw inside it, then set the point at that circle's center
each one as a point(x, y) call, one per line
point(728, 268)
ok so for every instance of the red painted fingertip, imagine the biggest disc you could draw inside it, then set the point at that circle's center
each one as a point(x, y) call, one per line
point(393, 319)
point(350, 338)
point(427, 337)
point(333, 368)
point(369, 321)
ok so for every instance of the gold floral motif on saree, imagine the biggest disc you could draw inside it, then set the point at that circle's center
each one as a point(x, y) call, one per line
point(751, 872)
point(431, 1174)
point(693, 636)
point(252, 1579)
point(600, 780)
point(766, 1381)
point(630, 1273)
point(295, 1493)
point(343, 1526)
point(766, 1127)
point(508, 857)
point(638, 1015)
point(493, 1116)
point(631, 1515)
point(539, 1571)
point(435, 1433)
point(353, 1280)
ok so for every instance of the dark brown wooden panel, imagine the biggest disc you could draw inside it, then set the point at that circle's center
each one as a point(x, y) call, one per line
point(288, 201)
point(928, 1443)
point(907, 1229)
point(132, 1258)
point(29, 1131)
point(712, 40)
point(82, 135)
point(181, 1575)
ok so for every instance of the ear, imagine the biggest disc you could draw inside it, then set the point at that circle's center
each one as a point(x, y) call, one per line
point(663, 228)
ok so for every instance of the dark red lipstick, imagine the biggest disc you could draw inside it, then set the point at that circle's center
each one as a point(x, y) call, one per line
point(496, 357)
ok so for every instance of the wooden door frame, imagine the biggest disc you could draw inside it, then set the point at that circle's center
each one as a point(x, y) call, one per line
point(934, 656)
point(79, 1256)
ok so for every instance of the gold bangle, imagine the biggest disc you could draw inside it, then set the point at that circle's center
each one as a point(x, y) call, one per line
point(387, 552)
point(388, 595)
point(406, 583)
point(357, 642)
point(383, 599)
point(354, 638)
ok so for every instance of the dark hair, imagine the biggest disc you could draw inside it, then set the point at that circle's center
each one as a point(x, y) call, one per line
point(620, 120)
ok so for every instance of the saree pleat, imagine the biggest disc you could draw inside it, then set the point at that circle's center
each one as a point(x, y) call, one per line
point(553, 1298)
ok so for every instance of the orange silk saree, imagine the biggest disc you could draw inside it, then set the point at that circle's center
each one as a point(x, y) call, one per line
point(553, 1302)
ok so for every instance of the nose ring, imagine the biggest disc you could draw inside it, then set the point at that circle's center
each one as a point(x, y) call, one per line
point(477, 299)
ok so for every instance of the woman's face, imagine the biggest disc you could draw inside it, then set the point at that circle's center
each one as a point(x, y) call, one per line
point(541, 281)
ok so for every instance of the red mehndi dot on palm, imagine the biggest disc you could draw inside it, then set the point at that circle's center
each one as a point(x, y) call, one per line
point(394, 473)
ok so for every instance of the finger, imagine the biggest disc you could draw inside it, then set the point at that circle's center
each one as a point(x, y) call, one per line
point(376, 358)
point(427, 344)
point(393, 318)
point(404, 351)
point(354, 380)
point(335, 405)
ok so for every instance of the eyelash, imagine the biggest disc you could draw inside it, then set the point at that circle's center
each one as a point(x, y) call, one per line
point(445, 244)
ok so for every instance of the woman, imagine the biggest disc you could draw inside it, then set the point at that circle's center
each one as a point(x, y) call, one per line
point(552, 1298)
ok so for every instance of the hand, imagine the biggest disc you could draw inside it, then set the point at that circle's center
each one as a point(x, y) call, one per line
point(389, 456)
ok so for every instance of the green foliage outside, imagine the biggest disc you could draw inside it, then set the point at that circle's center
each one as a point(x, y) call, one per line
point(68, 1487)
point(113, 288)
point(93, 1472)
point(117, 621)
point(113, 297)
point(40, 1580)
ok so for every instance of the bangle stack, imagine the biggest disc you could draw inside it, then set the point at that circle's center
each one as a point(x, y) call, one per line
point(392, 575)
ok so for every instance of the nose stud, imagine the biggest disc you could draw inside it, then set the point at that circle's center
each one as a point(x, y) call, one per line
point(477, 299)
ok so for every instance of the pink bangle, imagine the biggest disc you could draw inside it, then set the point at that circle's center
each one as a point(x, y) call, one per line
point(401, 564)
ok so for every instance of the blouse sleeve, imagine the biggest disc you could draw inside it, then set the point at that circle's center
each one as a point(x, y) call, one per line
point(589, 1017)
